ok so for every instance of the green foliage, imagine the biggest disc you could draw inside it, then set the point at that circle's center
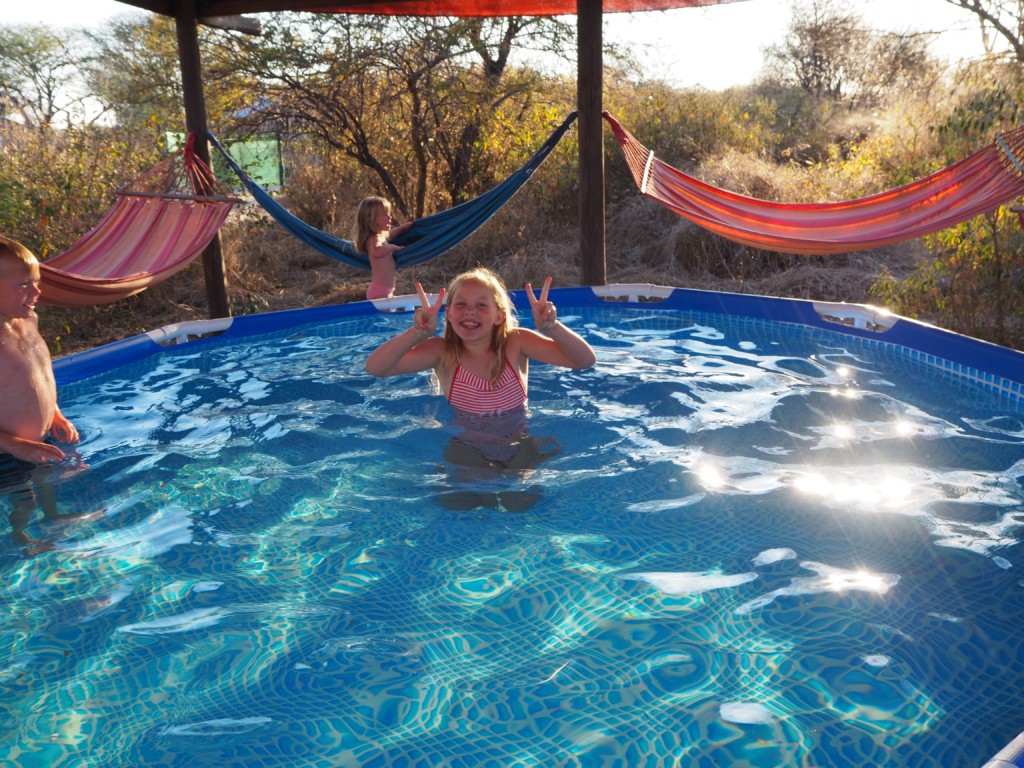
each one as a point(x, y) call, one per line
point(12, 204)
point(996, 105)
point(57, 186)
point(975, 282)
point(689, 125)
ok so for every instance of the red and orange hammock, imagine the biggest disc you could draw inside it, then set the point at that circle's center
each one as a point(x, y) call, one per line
point(977, 184)
point(158, 225)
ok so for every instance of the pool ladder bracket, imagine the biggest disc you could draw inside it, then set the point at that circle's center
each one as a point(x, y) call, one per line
point(182, 333)
point(633, 292)
point(862, 316)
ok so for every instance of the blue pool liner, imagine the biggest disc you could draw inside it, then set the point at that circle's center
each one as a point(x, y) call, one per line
point(994, 368)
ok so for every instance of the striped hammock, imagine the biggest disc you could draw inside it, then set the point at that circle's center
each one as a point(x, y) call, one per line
point(158, 225)
point(979, 183)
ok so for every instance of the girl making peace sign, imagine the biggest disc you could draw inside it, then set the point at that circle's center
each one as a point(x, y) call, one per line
point(482, 362)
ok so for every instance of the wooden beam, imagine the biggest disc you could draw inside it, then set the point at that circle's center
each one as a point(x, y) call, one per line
point(233, 24)
point(186, 23)
point(589, 87)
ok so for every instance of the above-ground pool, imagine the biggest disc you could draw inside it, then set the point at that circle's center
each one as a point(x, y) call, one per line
point(756, 533)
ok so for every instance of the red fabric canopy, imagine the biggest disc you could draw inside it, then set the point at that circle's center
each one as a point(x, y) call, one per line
point(206, 8)
point(501, 7)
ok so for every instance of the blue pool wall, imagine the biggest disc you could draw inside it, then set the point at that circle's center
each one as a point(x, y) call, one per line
point(996, 369)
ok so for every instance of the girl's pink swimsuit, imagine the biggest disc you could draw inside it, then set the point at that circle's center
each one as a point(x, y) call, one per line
point(471, 393)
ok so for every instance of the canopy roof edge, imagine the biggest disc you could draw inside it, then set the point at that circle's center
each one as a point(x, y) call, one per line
point(479, 8)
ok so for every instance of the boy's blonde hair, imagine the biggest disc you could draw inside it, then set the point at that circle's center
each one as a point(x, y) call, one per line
point(12, 250)
point(366, 212)
point(499, 334)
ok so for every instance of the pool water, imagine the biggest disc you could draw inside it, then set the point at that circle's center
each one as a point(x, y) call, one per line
point(730, 543)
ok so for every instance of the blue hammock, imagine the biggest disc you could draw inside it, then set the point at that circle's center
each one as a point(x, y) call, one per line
point(427, 237)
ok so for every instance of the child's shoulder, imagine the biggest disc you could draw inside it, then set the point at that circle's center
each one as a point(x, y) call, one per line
point(521, 339)
point(523, 334)
point(24, 328)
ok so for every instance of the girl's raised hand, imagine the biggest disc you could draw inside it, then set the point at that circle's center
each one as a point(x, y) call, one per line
point(424, 319)
point(544, 314)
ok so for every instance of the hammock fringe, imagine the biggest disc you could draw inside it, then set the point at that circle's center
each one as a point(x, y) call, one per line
point(1010, 154)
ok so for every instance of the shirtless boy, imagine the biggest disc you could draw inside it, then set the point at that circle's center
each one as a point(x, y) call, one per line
point(28, 393)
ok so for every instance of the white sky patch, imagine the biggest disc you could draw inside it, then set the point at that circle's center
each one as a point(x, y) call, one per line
point(712, 47)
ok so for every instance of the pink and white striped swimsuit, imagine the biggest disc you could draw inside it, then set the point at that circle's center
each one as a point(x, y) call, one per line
point(474, 394)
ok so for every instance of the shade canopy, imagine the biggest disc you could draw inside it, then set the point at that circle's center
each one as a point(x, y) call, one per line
point(189, 13)
point(206, 8)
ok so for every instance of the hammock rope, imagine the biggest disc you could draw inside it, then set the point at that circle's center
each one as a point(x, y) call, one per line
point(1010, 154)
point(157, 226)
point(977, 184)
point(428, 237)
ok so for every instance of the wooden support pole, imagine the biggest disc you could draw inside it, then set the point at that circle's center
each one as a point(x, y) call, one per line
point(589, 87)
point(195, 122)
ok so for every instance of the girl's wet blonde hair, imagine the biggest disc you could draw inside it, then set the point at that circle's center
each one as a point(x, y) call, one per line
point(366, 212)
point(499, 334)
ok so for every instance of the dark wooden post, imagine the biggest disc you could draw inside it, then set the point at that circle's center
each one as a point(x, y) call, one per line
point(195, 122)
point(589, 100)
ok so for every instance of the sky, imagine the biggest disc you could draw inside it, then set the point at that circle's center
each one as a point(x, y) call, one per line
point(713, 47)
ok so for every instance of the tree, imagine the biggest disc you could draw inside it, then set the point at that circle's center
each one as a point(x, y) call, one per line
point(821, 51)
point(38, 75)
point(999, 19)
point(136, 75)
point(412, 100)
point(831, 55)
point(135, 71)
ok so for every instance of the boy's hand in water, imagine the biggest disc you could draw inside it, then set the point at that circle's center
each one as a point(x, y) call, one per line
point(63, 430)
point(545, 317)
point(424, 319)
